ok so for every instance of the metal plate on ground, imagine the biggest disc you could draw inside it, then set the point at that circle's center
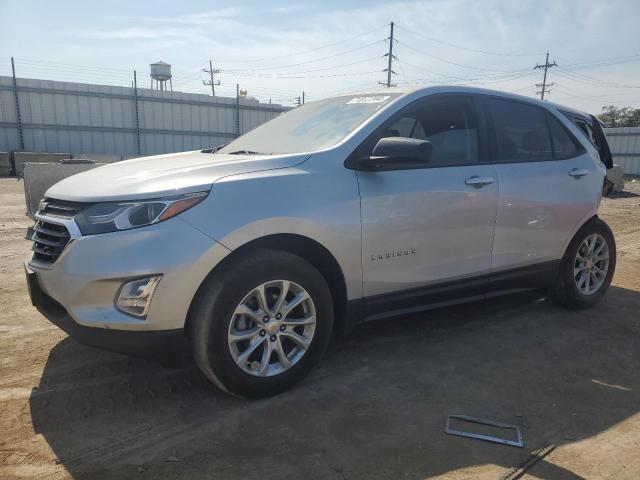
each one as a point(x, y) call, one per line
point(515, 442)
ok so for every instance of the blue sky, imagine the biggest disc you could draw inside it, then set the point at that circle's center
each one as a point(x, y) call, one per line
point(278, 49)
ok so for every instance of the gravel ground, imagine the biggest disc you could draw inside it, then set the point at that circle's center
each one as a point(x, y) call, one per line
point(375, 408)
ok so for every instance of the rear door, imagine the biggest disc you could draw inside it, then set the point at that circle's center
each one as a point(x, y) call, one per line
point(549, 185)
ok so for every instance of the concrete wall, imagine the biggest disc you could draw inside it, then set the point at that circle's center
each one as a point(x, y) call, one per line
point(39, 177)
point(5, 164)
point(22, 158)
point(625, 148)
point(99, 119)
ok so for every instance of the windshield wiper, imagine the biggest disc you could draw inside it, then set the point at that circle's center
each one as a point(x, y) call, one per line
point(246, 152)
point(214, 149)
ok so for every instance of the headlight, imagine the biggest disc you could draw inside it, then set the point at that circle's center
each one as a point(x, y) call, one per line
point(114, 216)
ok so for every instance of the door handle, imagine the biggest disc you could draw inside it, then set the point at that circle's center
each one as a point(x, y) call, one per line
point(578, 172)
point(479, 181)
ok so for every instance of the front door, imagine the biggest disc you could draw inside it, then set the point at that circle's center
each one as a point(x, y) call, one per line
point(427, 232)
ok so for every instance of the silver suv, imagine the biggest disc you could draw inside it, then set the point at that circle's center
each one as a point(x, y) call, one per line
point(340, 211)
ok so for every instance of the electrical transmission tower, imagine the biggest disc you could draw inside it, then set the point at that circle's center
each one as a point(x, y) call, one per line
point(391, 57)
point(211, 72)
point(543, 86)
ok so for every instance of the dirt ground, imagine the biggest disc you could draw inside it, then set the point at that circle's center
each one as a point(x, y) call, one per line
point(374, 409)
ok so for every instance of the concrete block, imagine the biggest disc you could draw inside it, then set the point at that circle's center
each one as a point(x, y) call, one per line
point(39, 177)
point(21, 158)
point(98, 158)
point(5, 164)
point(616, 176)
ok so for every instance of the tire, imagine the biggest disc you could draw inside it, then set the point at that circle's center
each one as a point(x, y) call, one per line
point(569, 288)
point(215, 321)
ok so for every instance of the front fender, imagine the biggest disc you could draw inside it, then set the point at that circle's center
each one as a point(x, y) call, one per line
point(322, 205)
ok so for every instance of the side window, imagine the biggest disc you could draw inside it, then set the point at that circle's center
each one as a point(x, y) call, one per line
point(449, 124)
point(586, 129)
point(564, 146)
point(582, 124)
point(408, 127)
point(521, 133)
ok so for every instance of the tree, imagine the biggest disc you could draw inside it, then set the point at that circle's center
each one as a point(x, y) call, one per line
point(612, 115)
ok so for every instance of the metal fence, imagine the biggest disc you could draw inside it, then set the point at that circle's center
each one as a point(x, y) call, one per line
point(77, 118)
point(625, 148)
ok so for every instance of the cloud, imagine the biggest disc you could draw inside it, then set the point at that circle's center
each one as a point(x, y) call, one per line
point(296, 35)
point(206, 17)
point(130, 33)
point(293, 8)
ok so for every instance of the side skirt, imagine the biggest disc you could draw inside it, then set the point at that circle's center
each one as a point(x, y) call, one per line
point(445, 294)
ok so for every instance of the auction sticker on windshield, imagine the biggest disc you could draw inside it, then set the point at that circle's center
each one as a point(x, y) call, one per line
point(369, 99)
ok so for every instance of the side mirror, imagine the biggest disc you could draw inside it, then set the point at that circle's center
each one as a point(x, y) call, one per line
point(397, 153)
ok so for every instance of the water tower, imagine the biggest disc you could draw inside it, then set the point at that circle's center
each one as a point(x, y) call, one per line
point(161, 72)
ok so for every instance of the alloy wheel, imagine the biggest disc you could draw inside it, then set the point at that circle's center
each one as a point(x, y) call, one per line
point(272, 328)
point(591, 264)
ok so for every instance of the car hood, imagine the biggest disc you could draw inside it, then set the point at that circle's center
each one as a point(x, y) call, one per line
point(162, 175)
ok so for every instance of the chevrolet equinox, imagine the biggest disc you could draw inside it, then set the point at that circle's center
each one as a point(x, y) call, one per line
point(339, 211)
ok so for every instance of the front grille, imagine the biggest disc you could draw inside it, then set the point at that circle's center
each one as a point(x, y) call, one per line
point(49, 239)
point(60, 208)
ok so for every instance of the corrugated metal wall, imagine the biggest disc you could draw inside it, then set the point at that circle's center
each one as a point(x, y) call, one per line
point(625, 147)
point(99, 119)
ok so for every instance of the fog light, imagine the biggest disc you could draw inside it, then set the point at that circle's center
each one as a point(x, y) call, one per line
point(135, 296)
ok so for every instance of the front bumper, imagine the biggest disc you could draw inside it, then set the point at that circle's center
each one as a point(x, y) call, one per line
point(86, 277)
point(164, 346)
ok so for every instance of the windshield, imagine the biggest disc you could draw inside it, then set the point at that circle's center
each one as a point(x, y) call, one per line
point(312, 126)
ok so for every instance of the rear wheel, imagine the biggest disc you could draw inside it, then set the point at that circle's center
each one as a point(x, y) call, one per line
point(260, 325)
point(587, 267)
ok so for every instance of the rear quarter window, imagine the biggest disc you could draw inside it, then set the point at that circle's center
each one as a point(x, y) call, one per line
point(563, 143)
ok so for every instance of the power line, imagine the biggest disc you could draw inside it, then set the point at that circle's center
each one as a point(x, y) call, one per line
point(68, 65)
point(348, 89)
point(444, 60)
point(449, 44)
point(306, 62)
point(293, 76)
point(470, 81)
point(474, 78)
point(527, 87)
point(283, 74)
point(622, 59)
point(594, 99)
point(589, 80)
point(301, 52)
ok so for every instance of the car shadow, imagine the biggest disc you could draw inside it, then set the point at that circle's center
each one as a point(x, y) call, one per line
point(622, 194)
point(374, 408)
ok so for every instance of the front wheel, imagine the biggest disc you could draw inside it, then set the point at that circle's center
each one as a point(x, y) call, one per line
point(261, 323)
point(587, 268)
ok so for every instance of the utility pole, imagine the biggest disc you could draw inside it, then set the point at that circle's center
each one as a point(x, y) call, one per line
point(211, 72)
point(303, 97)
point(543, 86)
point(390, 56)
